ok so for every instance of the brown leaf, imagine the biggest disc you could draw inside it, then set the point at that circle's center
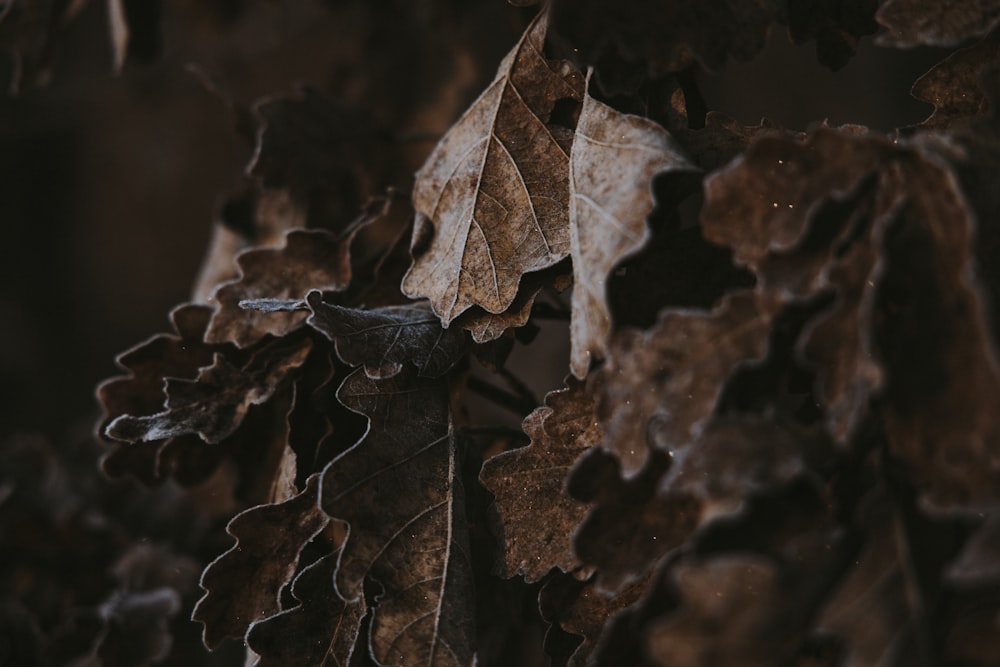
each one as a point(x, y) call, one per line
point(614, 159)
point(955, 85)
point(537, 516)
point(657, 387)
point(320, 631)
point(244, 584)
point(178, 355)
point(308, 260)
point(979, 560)
point(742, 595)
point(214, 404)
point(936, 22)
point(579, 608)
point(399, 491)
point(492, 198)
point(836, 25)
point(308, 141)
point(384, 339)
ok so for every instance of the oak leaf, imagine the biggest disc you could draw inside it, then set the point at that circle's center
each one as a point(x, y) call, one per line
point(213, 405)
point(936, 23)
point(399, 492)
point(321, 630)
point(657, 387)
point(492, 198)
point(244, 584)
point(537, 516)
point(955, 85)
point(613, 161)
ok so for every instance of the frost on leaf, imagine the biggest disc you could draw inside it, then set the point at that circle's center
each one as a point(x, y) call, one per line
point(309, 259)
point(176, 355)
point(213, 405)
point(537, 516)
point(384, 339)
point(399, 491)
point(657, 387)
point(244, 584)
point(614, 159)
point(936, 22)
point(320, 631)
point(492, 198)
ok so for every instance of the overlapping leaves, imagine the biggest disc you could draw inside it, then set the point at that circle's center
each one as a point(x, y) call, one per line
point(809, 433)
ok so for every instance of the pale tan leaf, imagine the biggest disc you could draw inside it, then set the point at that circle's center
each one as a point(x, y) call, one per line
point(491, 200)
point(614, 159)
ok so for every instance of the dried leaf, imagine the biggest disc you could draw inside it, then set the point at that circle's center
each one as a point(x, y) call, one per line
point(492, 198)
point(614, 159)
point(322, 630)
point(745, 596)
point(244, 584)
point(178, 355)
point(936, 22)
point(955, 86)
point(308, 141)
point(384, 339)
point(579, 608)
point(537, 516)
point(214, 404)
point(979, 560)
point(836, 25)
point(657, 387)
point(308, 260)
point(400, 494)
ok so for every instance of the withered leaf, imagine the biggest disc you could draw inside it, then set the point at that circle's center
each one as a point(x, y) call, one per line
point(177, 355)
point(320, 631)
point(657, 387)
point(979, 560)
point(614, 159)
point(936, 23)
point(243, 585)
point(836, 25)
point(402, 498)
point(309, 259)
point(492, 198)
point(581, 609)
point(309, 141)
point(955, 86)
point(384, 339)
point(537, 516)
point(745, 595)
point(214, 404)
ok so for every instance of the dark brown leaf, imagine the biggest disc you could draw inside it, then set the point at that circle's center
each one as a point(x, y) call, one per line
point(320, 631)
point(936, 22)
point(955, 86)
point(308, 260)
point(213, 405)
point(384, 339)
point(492, 199)
point(140, 393)
point(657, 387)
point(979, 560)
point(613, 161)
point(402, 498)
point(243, 585)
point(730, 613)
point(537, 516)
point(579, 608)
point(836, 25)
point(309, 141)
